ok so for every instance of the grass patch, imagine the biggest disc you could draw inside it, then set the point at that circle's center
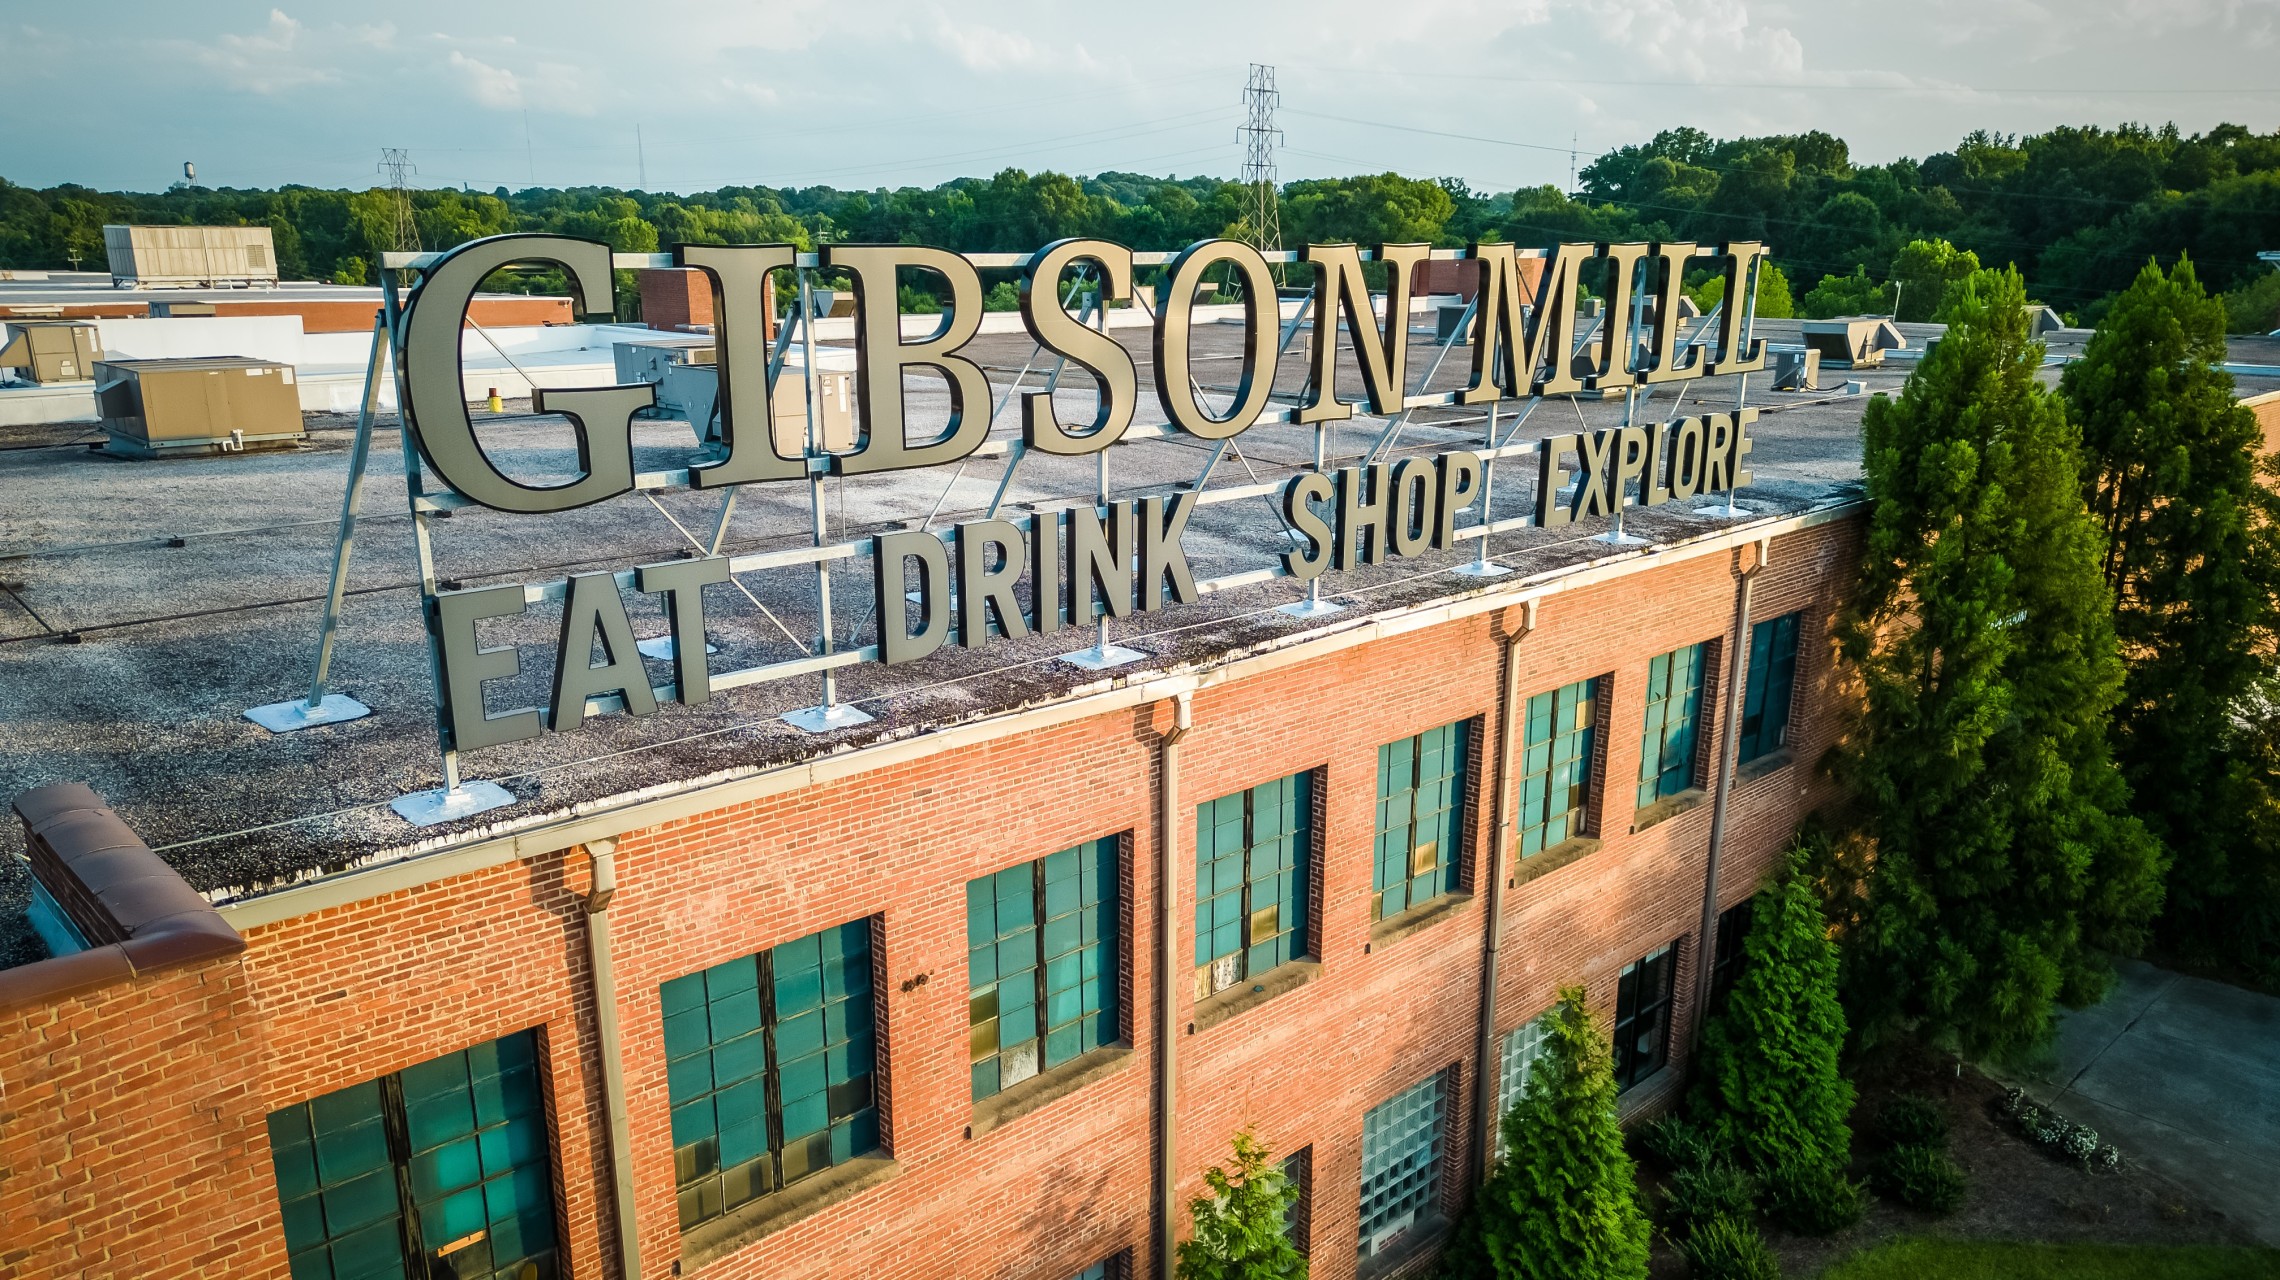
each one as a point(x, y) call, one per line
point(2003, 1260)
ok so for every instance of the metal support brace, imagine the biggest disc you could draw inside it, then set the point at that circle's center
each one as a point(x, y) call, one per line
point(830, 713)
point(321, 707)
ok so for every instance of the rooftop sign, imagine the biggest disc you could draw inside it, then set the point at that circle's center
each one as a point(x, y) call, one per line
point(1087, 561)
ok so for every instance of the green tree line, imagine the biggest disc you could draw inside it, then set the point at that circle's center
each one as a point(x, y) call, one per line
point(2077, 209)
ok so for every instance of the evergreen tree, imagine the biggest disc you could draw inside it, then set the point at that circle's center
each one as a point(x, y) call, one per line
point(2193, 561)
point(1769, 1085)
point(1240, 1232)
point(2005, 865)
point(1563, 1203)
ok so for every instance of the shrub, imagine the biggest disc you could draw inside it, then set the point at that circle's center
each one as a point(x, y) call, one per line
point(1712, 1190)
point(1769, 1085)
point(1564, 1201)
point(1920, 1177)
point(1814, 1200)
point(2059, 1136)
point(1912, 1120)
point(1676, 1143)
point(1728, 1247)
point(1239, 1232)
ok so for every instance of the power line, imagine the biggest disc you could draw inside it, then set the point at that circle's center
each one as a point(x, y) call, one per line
point(1259, 138)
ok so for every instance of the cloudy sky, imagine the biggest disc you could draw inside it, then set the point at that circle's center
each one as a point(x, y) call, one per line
point(860, 93)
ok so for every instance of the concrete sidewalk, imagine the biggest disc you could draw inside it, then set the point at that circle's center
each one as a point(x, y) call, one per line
point(2183, 1075)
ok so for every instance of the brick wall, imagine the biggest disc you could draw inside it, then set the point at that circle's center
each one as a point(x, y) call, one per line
point(132, 1136)
point(352, 993)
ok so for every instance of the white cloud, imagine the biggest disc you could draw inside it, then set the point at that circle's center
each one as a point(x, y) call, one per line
point(982, 48)
point(545, 86)
point(266, 61)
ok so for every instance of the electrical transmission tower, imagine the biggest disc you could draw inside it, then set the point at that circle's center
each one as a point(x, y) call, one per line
point(395, 162)
point(1259, 138)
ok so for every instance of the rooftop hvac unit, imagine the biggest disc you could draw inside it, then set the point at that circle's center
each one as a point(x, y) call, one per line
point(190, 257)
point(1448, 318)
point(647, 361)
point(1856, 342)
point(1795, 368)
point(697, 388)
point(51, 350)
point(210, 404)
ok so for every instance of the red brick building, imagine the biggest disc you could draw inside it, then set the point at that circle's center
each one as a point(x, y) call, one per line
point(948, 997)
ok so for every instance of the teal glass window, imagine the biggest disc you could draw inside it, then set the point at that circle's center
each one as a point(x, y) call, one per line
point(1766, 693)
point(1555, 765)
point(1674, 710)
point(1251, 881)
point(1041, 964)
point(1401, 1162)
point(768, 1063)
point(1420, 817)
point(446, 1161)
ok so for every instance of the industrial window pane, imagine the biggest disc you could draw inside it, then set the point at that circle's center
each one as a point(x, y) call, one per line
point(1522, 1046)
point(1401, 1163)
point(1642, 1015)
point(1766, 693)
point(459, 1139)
point(1251, 885)
point(1674, 709)
point(1097, 1271)
point(1039, 938)
point(768, 1057)
point(1733, 931)
point(1420, 818)
point(1555, 765)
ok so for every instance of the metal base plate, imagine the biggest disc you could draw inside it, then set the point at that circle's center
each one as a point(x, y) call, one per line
point(285, 717)
point(662, 648)
point(1620, 539)
point(1482, 569)
point(1102, 657)
point(427, 808)
point(1310, 608)
point(823, 719)
point(1725, 511)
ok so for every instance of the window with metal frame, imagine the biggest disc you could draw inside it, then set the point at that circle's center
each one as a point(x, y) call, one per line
point(1732, 936)
point(1766, 693)
point(440, 1169)
point(1401, 1162)
point(1420, 818)
point(1674, 710)
point(1555, 765)
point(1298, 1217)
point(1251, 851)
point(1642, 1015)
point(1041, 964)
point(769, 1066)
point(1522, 1046)
point(1100, 1270)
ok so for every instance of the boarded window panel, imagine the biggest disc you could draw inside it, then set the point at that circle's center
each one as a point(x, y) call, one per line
point(1555, 782)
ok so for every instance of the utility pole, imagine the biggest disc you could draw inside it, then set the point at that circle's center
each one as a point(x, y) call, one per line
point(530, 153)
point(395, 163)
point(1259, 138)
point(1573, 138)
